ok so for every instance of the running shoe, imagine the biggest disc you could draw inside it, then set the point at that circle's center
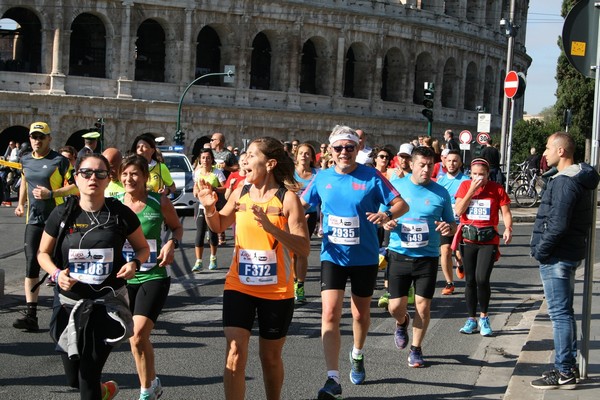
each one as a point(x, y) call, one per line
point(109, 390)
point(470, 326)
point(415, 359)
point(27, 323)
point(460, 272)
point(147, 396)
point(158, 389)
point(411, 295)
point(484, 327)
point(574, 370)
point(401, 334)
point(449, 289)
point(384, 300)
point(213, 263)
point(357, 369)
point(556, 380)
point(331, 391)
point(197, 267)
point(299, 295)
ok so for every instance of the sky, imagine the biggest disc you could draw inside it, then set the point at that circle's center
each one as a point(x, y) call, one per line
point(544, 26)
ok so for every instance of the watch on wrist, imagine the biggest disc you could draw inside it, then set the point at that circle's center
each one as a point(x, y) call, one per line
point(175, 242)
point(389, 214)
point(138, 264)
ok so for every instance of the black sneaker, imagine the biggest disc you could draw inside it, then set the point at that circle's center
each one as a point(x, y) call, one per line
point(27, 322)
point(555, 380)
point(574, 370)
point(331, 391)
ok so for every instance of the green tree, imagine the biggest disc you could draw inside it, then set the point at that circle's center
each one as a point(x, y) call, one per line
point(574, 90)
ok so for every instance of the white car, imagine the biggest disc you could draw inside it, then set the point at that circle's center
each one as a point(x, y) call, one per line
point(182, 173)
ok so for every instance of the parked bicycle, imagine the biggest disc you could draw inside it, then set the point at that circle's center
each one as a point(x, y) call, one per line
point(518, 177)
point(526, 194)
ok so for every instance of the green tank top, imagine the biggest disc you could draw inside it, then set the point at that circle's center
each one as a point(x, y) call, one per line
point(151, 219)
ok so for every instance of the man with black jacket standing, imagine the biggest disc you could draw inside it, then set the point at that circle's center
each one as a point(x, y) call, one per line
point(559, 243)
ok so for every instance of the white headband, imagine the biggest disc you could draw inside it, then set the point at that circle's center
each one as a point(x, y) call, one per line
point(344, 136)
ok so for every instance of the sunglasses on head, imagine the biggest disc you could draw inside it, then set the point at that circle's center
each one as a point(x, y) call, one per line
point(87, 173)
point(39, 136)
point(349, 148)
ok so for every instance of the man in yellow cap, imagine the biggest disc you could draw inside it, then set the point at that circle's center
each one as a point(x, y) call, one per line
point(90, 143)
point(44, 172)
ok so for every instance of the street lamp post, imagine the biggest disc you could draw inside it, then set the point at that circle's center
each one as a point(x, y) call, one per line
point(511, 32)
point(179, 136)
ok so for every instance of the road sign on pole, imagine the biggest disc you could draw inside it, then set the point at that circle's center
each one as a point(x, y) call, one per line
point(483, 138)
point(511, 84)
point(580, 37)
point(465, 137)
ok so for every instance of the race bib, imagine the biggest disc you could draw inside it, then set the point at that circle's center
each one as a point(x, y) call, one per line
point(129, 254)
point(344, 230)
point(257, 267)
point(91, 266)
point(414, 234)
point(479, 210)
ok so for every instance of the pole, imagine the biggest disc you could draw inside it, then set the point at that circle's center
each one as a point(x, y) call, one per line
point(228, 73)
point(429, 128)
point(509, 142)
point(588, 271)
point(509, 62)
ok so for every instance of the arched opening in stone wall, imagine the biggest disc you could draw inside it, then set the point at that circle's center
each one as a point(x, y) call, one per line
point(471, 87)
point(21, 49)
point(260, 69)
point(472, 10)
point(88, 47)
point(356, 73)
point(501, 90)
point(488, 89)
point(323, 75)
point(424, 72)
point(150, 52)
point(76, 140)
point(16, 133)
point(308, 68)
point(491, 16)
point(391, 76)
point(208, 57)
point(450, 83)
point(452, 8)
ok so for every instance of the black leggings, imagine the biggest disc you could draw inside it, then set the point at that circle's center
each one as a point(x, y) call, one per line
point(86, 373)
point(202, 227)
point(478, 262)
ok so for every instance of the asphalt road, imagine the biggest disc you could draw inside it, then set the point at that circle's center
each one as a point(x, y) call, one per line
point(189, 343)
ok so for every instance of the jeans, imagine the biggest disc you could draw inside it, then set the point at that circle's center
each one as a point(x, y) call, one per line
point(558, 278)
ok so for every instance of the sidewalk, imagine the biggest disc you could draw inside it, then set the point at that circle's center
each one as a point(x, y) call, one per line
point(537, 355)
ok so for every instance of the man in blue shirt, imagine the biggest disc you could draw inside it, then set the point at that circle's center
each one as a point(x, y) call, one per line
point(414, 250)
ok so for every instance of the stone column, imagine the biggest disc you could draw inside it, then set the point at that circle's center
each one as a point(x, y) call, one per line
point(125, 59)
point(338, 88)
point(295, 59)
point(188, 64)
point(57, 77)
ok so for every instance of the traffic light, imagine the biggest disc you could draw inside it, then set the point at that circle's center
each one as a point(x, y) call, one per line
point(428, 95)
point(179, 137)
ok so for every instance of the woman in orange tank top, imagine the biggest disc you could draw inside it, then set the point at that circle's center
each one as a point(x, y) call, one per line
point(270, 224)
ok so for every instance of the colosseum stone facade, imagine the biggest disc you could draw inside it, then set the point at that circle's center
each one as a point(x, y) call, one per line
point(301, 67)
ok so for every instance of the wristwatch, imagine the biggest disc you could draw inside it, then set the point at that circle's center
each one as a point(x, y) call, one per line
point(175, 242)
point(138, 264)
point(389, 215)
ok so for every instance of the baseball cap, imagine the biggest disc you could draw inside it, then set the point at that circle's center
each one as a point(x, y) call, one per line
point(406, 149)
point(91, 135)
point(41, 127)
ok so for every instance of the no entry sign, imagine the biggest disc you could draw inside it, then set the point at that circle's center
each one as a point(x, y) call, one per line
point(511, 84)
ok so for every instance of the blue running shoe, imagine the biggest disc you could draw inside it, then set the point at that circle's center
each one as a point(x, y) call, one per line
point(401, 334)
point(357, 369)
point(331, 391)
point(484, 327)
point(470, 327)
point(415, 359)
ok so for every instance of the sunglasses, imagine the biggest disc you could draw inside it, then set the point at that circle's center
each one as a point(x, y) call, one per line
point(87, 173)
point(383, 156)
point(38, 137)
point(349, 148)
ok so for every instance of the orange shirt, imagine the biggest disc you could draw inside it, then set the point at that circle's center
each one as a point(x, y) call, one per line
point(261, 265)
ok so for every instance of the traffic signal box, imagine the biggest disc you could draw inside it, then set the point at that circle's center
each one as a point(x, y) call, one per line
point(428, 96)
